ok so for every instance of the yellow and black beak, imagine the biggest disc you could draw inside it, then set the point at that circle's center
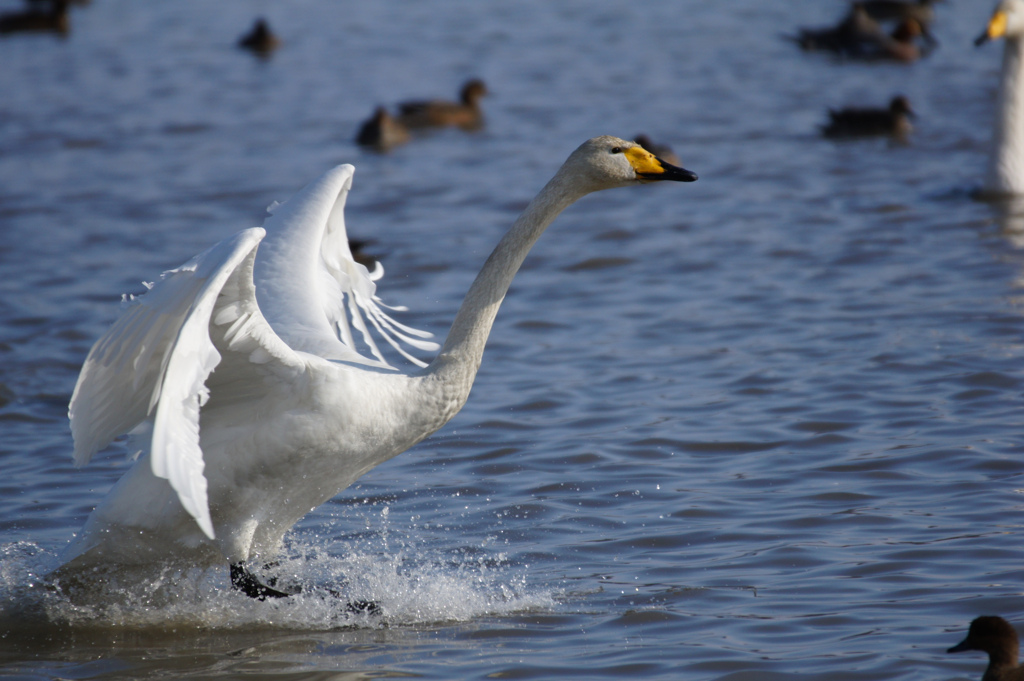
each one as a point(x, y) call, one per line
point(650, 168)
point(996, 28)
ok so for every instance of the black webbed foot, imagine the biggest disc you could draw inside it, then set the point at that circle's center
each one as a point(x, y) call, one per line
point(246, 582)
point(363, 607)
point(359, 607)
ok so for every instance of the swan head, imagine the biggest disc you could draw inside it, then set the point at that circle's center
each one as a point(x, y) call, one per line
point(606, 162)
point(1007, 22)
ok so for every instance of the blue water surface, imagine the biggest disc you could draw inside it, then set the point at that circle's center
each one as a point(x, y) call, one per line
point(762, 426)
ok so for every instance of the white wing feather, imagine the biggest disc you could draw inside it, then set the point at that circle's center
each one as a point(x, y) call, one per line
point(154, 366)
point(311, 290)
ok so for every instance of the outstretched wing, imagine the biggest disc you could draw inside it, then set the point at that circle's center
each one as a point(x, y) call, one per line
point(151, 367)
point(311, 290)
point(154, 368)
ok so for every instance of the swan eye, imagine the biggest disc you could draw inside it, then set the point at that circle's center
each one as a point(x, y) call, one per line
point(616, 150)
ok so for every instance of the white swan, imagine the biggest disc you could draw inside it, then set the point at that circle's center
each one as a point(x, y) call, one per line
point(1006, 164)
point(242, 379)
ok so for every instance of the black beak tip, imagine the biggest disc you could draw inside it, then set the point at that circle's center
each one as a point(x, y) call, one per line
point(676, 173)
point(981, 39)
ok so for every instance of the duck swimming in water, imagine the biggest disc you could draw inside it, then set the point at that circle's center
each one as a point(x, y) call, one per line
point(853, 122)
point(382, 132)
point(51, 19)
point(883, 10)
point(846, 38)
point(260, 40)
point(465, 114)
point(993, 635)
point(860, 37)
point(922, 12)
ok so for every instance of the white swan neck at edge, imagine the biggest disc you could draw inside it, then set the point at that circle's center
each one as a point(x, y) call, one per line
point(1006, 165)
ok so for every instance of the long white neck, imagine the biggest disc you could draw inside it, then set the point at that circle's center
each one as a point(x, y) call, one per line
point(463, 350)
point(1006, 164)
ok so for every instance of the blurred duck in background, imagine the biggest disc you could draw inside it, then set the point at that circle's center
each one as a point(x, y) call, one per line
point(361, 255)
point(893, 121)
point(1006, 162)
point(382, 132)
point(662, 151)
point(994, 635)
point(921, 12)
point(465, 113)
point(260, 40)
point(861, 36)
point(904, 44)
point(41, 17)
point(847, 37)
point(897, 10)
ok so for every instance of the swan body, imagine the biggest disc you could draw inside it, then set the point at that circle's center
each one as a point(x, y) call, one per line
point(252, 384)
point(1006, 163)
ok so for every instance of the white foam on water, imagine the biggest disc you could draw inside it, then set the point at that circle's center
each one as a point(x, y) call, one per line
point(406, 585)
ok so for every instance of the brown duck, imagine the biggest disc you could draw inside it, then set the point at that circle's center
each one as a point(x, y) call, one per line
point(847, 38)
point(52, 19)
point(893, 121)
point(260, 40)
point(382, 132)
point(994, 635)
point(465, 113)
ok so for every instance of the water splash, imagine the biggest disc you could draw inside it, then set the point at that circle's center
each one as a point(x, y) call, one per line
point(406, 586)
